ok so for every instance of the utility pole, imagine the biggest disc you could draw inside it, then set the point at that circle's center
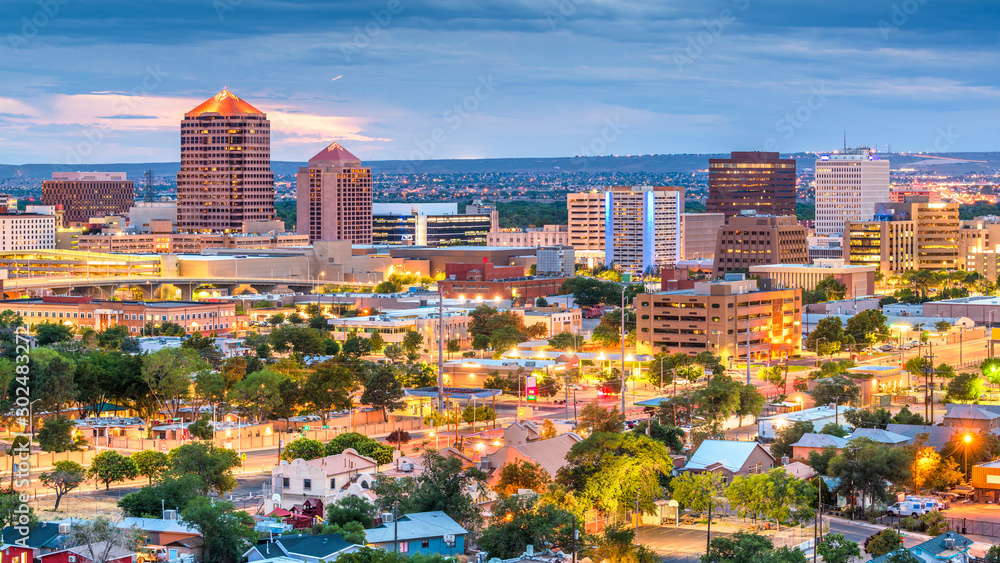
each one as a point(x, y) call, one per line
point(440, 348)
point(929, 384)
point(748, 348)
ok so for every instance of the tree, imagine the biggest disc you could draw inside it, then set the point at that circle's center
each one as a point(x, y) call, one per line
point(202, 429)
point(785, 436)
point(670, 436)
point(717, 401)
point(398, 437)
point(64, 477)
point(834, 429)
point(412, 341)
point(394, 352)
point(370, 555)
point(865, 469)
point(169, 491)
point(100, 539)
point(617, 543)
point(52, 380)
point(520, 474)
point(51, 333)
point(519, 521)
point(110, 466)
point(868, 418)
point(838, 389)
point(57, 436)
point(150, 463)
point(169, 373)
point(867, 327)
point(828, 336)
point(213, 466)
point(276, 319)
point(745, 547)
point(883, 542)
point(548, 430)
point(15, 509)
point(820, 461)
point(504, 339)
point(376, 342)
point(351, 509)
point(751, 402)
point(226, 531)
point(993, 554)
point(454, 347)
point(696, 490)
point(442, 486)
point(965, 387)
point(775, 375)
point(383, 391)
point(942, 326)
point(328, 387)
point(599, 419)
point(614, 471)
point(259, 393)
point(564, 341)
point(831, 288)
point(302, 448)
point(112, 338)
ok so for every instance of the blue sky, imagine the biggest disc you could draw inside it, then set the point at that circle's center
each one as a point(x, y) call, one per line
point(90, 82)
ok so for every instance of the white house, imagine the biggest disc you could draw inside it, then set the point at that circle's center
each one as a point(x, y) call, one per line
point(327, 479)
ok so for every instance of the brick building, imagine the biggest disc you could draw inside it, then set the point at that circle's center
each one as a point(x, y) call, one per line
point(761, 182)
point(751, 240)
point(85, 195)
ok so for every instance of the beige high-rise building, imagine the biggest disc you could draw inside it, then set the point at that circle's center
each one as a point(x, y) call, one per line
point(751, 240)
point(890, 245)
point(849, 185)
point(586, 225)
point(225, 177)
point(334, 197)
point(642, 227)
point(936, 228)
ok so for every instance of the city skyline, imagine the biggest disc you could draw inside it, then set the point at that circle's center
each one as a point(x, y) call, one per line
point(394, 80)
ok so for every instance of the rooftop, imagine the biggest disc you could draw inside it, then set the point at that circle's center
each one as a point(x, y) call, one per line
point(415, 526)
point(335, 153)
point(224, 103)
point(731, 454)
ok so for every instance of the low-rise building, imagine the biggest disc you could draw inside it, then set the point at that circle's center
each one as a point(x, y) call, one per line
point(858, 279)
point(547, 235)
point(549, 454)
point(819, 417)
point(26, 231)
point(523, 288)
point(78, 312)
point(730, 458)
point(555, 319)
point(421, 532)
point(327, 478)
point(302, 548)
point(392, 326)
point(716, 317)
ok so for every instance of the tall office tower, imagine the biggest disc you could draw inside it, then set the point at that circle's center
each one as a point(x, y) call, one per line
point(759, 181)
point(334, 197)
point(936, 226)
point(848, 187)
point(225, 177)
point(642, 227)
point(87, 195)
point(586, 226)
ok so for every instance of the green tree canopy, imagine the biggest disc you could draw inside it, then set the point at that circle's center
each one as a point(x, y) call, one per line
point(226, 531)
point(110, 466)
point(213, 466)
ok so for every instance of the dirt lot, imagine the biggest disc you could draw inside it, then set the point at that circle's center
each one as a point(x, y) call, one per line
point(88, 502)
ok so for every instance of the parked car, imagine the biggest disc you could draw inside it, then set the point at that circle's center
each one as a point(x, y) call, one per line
point(907, 508)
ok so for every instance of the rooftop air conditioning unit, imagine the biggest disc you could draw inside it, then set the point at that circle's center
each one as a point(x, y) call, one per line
point(170, 515)
point(407, 467)
point(65, 528)
point(386, 517)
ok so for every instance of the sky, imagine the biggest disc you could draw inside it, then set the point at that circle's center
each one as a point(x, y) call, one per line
point(86, 82)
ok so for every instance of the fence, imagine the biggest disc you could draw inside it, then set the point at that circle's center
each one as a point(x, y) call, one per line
point(46, 459)
point(974, 527)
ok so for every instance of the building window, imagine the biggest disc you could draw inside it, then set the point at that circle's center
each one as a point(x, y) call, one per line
point(284, 483)
point(404, 547)
point(333, 483)
point(425, 543)
point(307, 484)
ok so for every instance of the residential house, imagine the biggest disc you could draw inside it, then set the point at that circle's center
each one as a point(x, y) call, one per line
point(949, 547)
point(327, 479)
point(799, 470)
point(89, 553)
point(423, 532)
point(303, 548)
point(938, 437)
point(880, 436)
point(11, 553)
point(818, 416)
point(173, 538)
point(813, 442)
point(730, 458)
point(44, 538)
point(550, 454)
point(973, 418)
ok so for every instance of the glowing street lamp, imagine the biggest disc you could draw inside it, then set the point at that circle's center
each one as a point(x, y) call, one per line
point(967, 438)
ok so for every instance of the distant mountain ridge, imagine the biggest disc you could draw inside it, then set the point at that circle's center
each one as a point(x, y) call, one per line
point(676, 163)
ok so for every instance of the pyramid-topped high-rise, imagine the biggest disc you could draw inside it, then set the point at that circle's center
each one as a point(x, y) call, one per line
point(225, 178)
point(334, 197)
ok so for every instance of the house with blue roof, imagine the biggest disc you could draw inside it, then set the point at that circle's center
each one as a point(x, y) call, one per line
point(949, 547)
point(421, 532)
point(730, 458)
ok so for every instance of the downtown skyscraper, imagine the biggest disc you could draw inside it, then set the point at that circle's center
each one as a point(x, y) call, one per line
point(225, 178)
point(849, 186)
point(334, 197)
point(761, 182)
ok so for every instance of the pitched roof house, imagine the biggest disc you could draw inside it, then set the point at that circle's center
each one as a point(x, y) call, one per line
point(327, 479)
point(303, 548)
point(422, 532)
point(730, 458)
point(550, 454)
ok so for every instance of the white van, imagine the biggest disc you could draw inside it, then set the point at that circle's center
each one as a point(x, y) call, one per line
point(908, 508)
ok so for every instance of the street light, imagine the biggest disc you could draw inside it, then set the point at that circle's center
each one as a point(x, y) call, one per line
point(968, 440)
point(31, 419)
